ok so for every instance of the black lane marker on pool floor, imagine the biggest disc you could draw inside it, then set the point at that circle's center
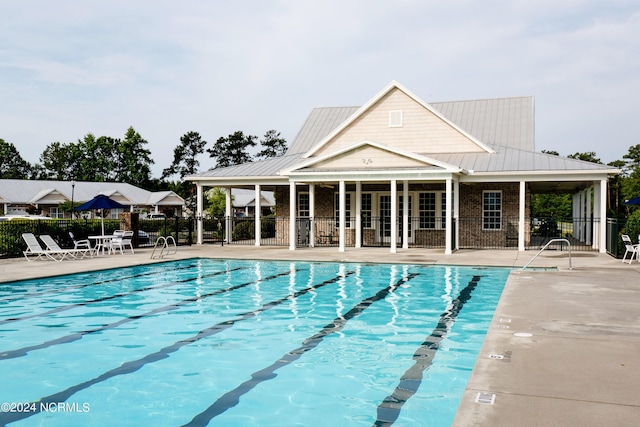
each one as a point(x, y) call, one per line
point(20, 352)
point(389, 409)
point(134, 365)
point(85, 285)
point(231, 398)
point(115, 296)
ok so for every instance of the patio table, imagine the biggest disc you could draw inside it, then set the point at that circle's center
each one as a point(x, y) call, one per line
point(102, 242)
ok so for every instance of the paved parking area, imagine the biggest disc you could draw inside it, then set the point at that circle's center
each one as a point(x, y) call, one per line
point(562, 350)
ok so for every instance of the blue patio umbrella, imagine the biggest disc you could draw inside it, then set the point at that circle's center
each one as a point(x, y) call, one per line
point(634, 201)
point(101, 202)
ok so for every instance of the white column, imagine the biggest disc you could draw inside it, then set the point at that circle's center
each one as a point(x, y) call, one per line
point(589, 224)
point(405, 214)
point(258, 215)
point(292, 216)
point(342, 213)
point(228, 212)
point(312, 215)
point(521, 216)
point(603, 216)
point(456, 213)
point(447, 239)
point(199, 204)
point(394, 216)
point(358, 214)
point(595, 230)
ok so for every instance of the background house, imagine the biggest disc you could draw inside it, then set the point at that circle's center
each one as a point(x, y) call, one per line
point(44, 197)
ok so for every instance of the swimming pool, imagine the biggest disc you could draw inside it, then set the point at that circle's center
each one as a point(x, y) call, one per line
point(242, 343)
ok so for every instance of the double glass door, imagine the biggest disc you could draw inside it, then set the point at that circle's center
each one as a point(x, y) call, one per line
point(385, 218)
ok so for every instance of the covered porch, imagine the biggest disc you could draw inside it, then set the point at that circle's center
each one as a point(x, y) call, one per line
point(446, 210)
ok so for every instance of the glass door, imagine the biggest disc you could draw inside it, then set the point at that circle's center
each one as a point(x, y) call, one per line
point(385, 218)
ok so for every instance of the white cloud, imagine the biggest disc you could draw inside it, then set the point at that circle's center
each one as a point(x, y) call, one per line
point(68, 68)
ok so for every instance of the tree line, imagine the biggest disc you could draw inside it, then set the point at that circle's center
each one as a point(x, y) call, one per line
point(108, 159)
point(128, 160)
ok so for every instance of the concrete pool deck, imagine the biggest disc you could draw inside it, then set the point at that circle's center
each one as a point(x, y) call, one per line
point(577, 364)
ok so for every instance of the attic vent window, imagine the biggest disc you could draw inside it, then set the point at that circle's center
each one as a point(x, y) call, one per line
point(395, 118)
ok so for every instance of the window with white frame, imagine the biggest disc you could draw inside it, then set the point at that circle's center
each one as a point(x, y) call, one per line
point(427, 210)
point(115, 213)
point(56, 212)
point(303, 205)
point(491, 210)
point(366, 210)
point(347, 212)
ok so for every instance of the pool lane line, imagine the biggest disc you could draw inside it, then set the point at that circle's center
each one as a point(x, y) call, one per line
point(84, 285)
point(134, 365)
point(389, 410)
point(232, 398)
point(115, 296)
point(20, 352)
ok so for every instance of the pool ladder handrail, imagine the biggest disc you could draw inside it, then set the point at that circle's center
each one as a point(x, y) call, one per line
point(545, 247)
point(165, 249)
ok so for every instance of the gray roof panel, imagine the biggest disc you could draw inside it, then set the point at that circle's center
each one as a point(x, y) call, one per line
point(502, 121)
point(318, 125)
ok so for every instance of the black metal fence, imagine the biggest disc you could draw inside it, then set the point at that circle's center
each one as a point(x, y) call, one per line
point(474, 233)
point(12, 244)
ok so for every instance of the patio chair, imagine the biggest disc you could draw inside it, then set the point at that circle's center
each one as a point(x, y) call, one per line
point(35, 250)
point(81, 244)
point(630, 249)
point(121, 240)
point(53, 246)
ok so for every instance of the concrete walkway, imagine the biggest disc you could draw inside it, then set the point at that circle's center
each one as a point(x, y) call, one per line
point(562, 350)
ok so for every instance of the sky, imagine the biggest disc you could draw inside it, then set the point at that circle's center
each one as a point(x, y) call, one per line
point(73, 67)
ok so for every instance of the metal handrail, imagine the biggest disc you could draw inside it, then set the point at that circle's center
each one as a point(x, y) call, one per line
point(164, 247)
point(545, 247)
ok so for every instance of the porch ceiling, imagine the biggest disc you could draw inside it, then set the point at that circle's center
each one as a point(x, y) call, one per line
point(559, 187)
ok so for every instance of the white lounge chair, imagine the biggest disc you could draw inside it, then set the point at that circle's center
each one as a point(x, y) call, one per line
point(630, 249)
point(35, 250)
point(53, 246)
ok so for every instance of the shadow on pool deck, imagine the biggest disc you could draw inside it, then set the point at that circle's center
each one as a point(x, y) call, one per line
point(579, 366)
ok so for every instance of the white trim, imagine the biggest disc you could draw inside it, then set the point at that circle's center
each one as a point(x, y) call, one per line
point(400, 152)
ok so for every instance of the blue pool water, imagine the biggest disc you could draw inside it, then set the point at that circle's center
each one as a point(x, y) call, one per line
point(243, 343)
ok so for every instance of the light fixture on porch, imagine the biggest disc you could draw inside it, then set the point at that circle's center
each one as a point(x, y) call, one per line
point(323, 185)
